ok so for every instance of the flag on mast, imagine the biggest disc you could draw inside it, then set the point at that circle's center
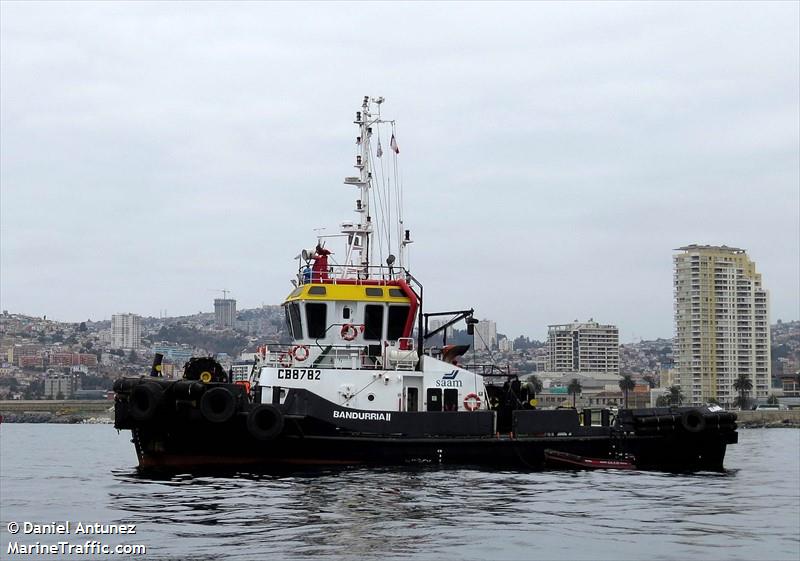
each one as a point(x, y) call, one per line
point(393, 144)
point(380, 149)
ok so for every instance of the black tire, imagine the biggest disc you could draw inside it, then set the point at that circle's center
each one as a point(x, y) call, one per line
point(693, 421)
point(187, 389)
point(265, 422)
point(144, 401)
point(217, 405)
point(125, 385)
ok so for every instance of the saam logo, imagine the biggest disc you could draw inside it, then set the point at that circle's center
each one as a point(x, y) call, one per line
point(449, 380)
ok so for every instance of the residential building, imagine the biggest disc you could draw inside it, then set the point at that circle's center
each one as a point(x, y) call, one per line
point(485, 335)
point(434, 324)
point(126, 331)
point(224, 312)
point(721, 323)
point(583, 347)
point(177, 354)
point(60, 386)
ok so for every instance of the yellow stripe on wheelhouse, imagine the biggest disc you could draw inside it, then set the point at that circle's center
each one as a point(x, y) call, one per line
point(349, 292)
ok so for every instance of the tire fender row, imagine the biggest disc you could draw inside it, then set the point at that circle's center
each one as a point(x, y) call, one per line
point(693, 421)
point(149, 401)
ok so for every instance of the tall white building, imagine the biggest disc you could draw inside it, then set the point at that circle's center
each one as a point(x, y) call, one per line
point(435, 324)
point(583, 347)
point(721, 323)
point(224, 311)
point(485, 335)
point(126, 331)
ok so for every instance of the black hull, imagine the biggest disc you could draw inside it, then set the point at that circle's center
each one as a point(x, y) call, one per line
point(155, 450)
point(311, 434)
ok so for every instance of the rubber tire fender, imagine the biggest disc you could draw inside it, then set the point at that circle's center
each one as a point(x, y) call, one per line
point(144, 401)
point(265, 421)
point(693, 421)
point(218, 405)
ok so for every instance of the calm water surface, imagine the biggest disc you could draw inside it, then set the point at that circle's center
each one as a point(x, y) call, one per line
point(86, 473)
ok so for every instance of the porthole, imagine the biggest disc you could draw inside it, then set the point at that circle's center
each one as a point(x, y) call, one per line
point(371, 397)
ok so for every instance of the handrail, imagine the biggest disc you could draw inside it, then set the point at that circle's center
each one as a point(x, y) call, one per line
point(351, 274)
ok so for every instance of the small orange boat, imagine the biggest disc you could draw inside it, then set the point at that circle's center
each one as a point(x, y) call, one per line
point(562, 459)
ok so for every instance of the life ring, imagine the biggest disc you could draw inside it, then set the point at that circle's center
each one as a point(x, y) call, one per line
point(300, 353)
point(472, 402)
point(262, 351)
point(349, 332)
point(285, 360)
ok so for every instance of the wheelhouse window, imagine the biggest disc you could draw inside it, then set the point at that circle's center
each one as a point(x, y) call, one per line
point(293, 320)
point(316, 319)
point(373, 322)
point(398, 316)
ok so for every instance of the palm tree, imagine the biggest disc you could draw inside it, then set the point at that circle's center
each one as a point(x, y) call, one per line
point(534, 385)
point(626, 384)
point(675, 395)
point(650, 381)
point(574, 388)
point(743, 385)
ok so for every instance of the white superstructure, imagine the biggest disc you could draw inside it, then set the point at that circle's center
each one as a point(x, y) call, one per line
point(352, 315)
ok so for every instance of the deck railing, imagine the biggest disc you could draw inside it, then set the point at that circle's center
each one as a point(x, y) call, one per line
point(350, 274)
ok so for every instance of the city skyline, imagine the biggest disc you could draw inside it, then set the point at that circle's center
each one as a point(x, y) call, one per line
point(151, 153)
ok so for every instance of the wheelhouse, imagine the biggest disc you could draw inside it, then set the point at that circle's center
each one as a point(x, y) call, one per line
point(368, 314)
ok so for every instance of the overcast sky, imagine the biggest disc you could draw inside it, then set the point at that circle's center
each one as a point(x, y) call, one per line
point(553, 154)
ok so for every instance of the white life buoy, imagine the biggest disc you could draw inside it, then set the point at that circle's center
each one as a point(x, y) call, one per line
point(349, 332)
point(300, 353)
point(472, 402)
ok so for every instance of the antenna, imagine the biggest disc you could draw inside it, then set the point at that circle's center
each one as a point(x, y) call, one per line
point(224, 291)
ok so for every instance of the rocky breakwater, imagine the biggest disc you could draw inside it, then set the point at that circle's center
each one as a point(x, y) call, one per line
point(768, 419)
point(56, 411)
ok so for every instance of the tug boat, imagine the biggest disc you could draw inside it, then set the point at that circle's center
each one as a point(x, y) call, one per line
point(361, 383)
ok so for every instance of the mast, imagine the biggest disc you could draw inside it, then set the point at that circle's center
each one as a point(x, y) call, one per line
point(359, 242)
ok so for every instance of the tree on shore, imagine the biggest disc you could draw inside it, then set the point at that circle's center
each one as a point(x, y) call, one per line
point(772, 400)
point(534, 385)
point(675, 395)
point(626, 384)
point(574, 389)
point(743, 385)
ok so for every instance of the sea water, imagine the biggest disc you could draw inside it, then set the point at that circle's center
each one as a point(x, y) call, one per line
point(86, 474)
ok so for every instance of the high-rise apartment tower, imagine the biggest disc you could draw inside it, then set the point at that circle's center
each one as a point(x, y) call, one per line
point(721, 323)
point(224, 311)
point(126, 331)
point(485, 338)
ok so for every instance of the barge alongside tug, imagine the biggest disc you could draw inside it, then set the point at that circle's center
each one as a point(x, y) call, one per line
point(360, 385)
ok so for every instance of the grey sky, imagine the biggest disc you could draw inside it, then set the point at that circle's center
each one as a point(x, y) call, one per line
point(553, 154)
